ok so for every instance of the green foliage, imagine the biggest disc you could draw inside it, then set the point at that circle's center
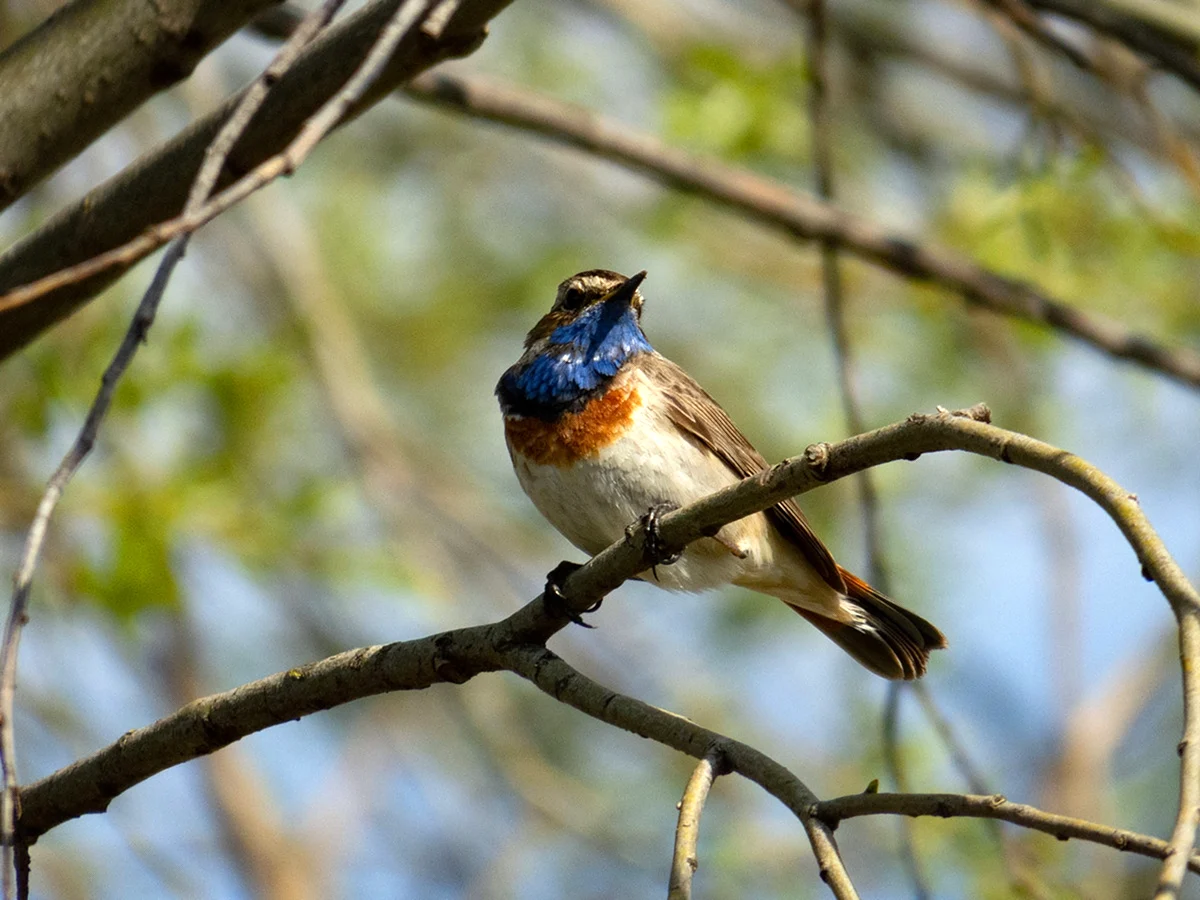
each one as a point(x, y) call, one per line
point(739, 108)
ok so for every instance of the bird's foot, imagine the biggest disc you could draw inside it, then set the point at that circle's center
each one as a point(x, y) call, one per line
point(556, 601)
point(654, 549)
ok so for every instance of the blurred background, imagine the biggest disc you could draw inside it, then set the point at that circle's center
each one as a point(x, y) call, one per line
point(307, 457)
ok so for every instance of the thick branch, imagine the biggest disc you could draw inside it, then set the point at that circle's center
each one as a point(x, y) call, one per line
point(89, 65)
point(206, 725)
point(154, 188)
point(1172, 51)
point(777, 206)
point(214, 160)
point(948, 806)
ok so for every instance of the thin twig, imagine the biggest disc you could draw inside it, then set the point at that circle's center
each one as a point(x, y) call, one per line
point(890, 741)
point(967, 770)
point(831, 278)
point(686, 860)
point(1023, 879)
point(135, 336)
point(821, 149)
point(1175, 19)
point(995, 807)
point(558, 679)
point(404, 492)
point(284, 163)
point(796, 214)
point(1183, 835)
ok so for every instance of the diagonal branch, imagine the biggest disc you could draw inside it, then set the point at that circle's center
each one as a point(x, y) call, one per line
point(516, 643)
point(799, 215)
point(1172, 49)
point(89, 65)
point(214, 159)
point(558, 679)
point(154, 188)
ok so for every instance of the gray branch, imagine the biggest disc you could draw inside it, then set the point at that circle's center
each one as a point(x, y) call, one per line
point(155, 187)
point(517, 642)
point(92, 63)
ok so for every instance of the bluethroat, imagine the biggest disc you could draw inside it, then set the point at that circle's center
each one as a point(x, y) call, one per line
point(602, 430)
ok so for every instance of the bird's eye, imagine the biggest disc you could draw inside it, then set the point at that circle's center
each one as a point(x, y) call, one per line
point(572, 298)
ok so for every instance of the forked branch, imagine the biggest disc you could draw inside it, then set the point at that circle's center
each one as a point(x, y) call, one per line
point(517, 644)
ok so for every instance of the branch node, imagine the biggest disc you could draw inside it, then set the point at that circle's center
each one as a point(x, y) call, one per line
point(444, 666)
point(816, 457)
point(980, 412)
point(718, 757)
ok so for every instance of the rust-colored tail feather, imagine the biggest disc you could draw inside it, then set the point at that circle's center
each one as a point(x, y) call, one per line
point(888, 639)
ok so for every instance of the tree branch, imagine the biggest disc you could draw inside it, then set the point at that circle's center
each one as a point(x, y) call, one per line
point(801, 216)
point(1183, 835)
point(214, 160)
point(979, 806)
point(1173, 51)
point(516, 643)
point(685, 859)
point(89, 65)
point(821, 141)
point(558, 679)
point(154, 188)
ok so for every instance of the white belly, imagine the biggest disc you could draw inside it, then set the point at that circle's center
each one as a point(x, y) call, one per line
point(593, 500)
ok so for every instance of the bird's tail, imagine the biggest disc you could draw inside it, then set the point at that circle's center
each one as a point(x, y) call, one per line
point(886, 638)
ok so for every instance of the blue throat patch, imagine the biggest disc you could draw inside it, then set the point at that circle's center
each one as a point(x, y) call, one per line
point(580, 358)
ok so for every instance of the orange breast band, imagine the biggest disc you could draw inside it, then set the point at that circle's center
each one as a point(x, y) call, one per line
point(575, 435)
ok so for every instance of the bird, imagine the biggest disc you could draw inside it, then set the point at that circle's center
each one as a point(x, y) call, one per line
point(603, 431)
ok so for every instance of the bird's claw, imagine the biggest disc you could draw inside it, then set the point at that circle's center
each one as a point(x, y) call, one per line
point(556, 601)
point(654, 549)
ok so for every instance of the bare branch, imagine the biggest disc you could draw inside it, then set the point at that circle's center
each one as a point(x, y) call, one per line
point(1171, 50)
point(1031, 24)
point(195, 215)
point(154, 189)
point(135, 336)
point(89, 65)
point(1183, 835)
point(558, 679)
point(821, 148)
point(801, 216)
point(515, 643)
point(686, 860)
point(994, 806)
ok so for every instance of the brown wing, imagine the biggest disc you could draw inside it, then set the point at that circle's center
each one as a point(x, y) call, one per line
point(695, 413)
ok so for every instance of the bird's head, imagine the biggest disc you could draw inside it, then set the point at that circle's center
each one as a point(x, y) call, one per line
point(591, 331)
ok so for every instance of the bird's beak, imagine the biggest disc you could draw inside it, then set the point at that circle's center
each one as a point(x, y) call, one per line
point(624, 294)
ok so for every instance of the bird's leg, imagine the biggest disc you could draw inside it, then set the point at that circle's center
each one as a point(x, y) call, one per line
point(556, 602)
point(654, 549)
